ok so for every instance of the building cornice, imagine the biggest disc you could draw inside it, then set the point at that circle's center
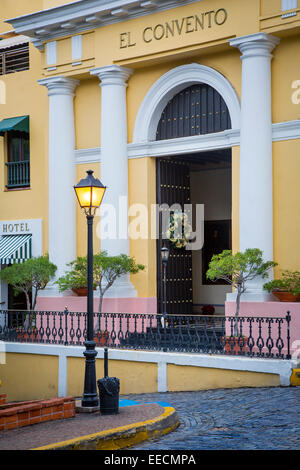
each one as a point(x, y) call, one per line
point(85, 15)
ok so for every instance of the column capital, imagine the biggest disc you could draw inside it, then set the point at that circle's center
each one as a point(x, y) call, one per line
point(112, 75)
point(255, 45)
point(59, 85)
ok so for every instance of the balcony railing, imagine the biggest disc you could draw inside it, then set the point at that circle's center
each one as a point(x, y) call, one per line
point(267, 337)
point(14, 60)
point(18, 174)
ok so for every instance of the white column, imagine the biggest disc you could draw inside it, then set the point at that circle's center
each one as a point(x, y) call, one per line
point(62, 174)
point(114, 165)
point(256, 177)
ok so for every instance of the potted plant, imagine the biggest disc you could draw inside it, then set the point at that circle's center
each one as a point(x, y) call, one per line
point(106, 269)
point(237, 270)
point(287, 288)
point(30, 277)
point(76, 278)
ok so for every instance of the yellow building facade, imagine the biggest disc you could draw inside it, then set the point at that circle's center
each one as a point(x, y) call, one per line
point(145, 93)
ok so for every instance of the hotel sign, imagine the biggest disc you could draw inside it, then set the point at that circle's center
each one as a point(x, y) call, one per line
point(14, 228)
point(176, 27)
point(25, 227)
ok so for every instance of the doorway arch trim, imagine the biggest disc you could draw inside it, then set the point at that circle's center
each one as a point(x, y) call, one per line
point(171, 83)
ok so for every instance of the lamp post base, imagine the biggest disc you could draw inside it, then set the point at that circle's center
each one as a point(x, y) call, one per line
point(90, 396)
point(86, 409)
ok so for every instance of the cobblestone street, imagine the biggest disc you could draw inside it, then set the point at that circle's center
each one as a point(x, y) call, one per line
point(239, 419)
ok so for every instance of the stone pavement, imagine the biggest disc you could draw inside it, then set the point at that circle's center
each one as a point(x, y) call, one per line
point(83, 424)
point(227, 419)
point(231, 419)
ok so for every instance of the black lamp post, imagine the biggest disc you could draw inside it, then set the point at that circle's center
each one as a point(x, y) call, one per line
point(164, 259)
point(90, 192)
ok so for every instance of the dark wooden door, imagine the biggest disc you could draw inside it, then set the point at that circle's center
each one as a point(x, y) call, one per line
point(198, 109)
point(173, 187)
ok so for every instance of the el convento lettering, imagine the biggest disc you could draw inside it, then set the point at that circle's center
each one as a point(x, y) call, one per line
point(185, 25)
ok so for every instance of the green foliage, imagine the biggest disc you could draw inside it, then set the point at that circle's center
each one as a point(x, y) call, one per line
point(106, 269)
point(32, 275)
point(289, 282)
point(72, 280)
point(109, 268)
point(238, 269)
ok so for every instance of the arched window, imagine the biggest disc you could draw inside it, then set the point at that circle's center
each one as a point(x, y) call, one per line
point(196, 110)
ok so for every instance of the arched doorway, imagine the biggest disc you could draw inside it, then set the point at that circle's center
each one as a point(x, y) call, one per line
point(196, 110)
point(173, 82)
point(198, 178)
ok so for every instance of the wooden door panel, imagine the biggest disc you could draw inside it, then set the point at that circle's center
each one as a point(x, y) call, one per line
point(173, 187)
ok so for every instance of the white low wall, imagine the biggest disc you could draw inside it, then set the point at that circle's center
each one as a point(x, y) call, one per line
point(282, 368)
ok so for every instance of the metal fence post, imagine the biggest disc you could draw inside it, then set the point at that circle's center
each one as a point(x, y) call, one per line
point(288, 321)
point(66, 312)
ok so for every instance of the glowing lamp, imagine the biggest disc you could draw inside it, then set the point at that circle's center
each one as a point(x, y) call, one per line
point(90, 192)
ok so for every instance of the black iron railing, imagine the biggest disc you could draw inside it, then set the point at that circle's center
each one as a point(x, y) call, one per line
point(267, 337)
point(18, 174)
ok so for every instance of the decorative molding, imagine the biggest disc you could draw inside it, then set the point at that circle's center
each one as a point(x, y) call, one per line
point(150, 4)
point(281, 131)
point(288, 130)
point(51, 53)
point(80, 16)
point(288, 15)
point(112, 75)
point(255, 45)
point(76, 48)
point(194, 144)
point(172, 83)
point(38, 44)
point(59, 85)
point(92, 155)
point(288, 5)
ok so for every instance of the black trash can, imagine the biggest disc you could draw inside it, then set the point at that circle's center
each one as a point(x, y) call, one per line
point(109, 389)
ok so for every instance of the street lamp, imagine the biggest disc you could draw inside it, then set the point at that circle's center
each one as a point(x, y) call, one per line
point(90, 192)
point(164, 259)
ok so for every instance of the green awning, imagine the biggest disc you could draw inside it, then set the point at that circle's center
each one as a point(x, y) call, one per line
point(15, 248)
point(15, 124)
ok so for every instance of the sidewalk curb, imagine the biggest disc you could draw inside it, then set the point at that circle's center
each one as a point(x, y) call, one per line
point(124, 436)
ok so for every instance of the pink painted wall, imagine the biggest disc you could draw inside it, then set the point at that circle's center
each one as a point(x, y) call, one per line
point(79, 304)
point(75, 322)
point(265, 310)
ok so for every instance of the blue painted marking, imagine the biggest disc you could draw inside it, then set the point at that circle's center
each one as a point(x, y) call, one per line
point(132, 403)
point(161, 403)
point(128, 403)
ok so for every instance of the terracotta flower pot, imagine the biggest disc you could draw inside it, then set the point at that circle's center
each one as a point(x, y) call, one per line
point(103, 340)
point(232, 346)
point(31, 336)
point(81, 291)
point(286, 296)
